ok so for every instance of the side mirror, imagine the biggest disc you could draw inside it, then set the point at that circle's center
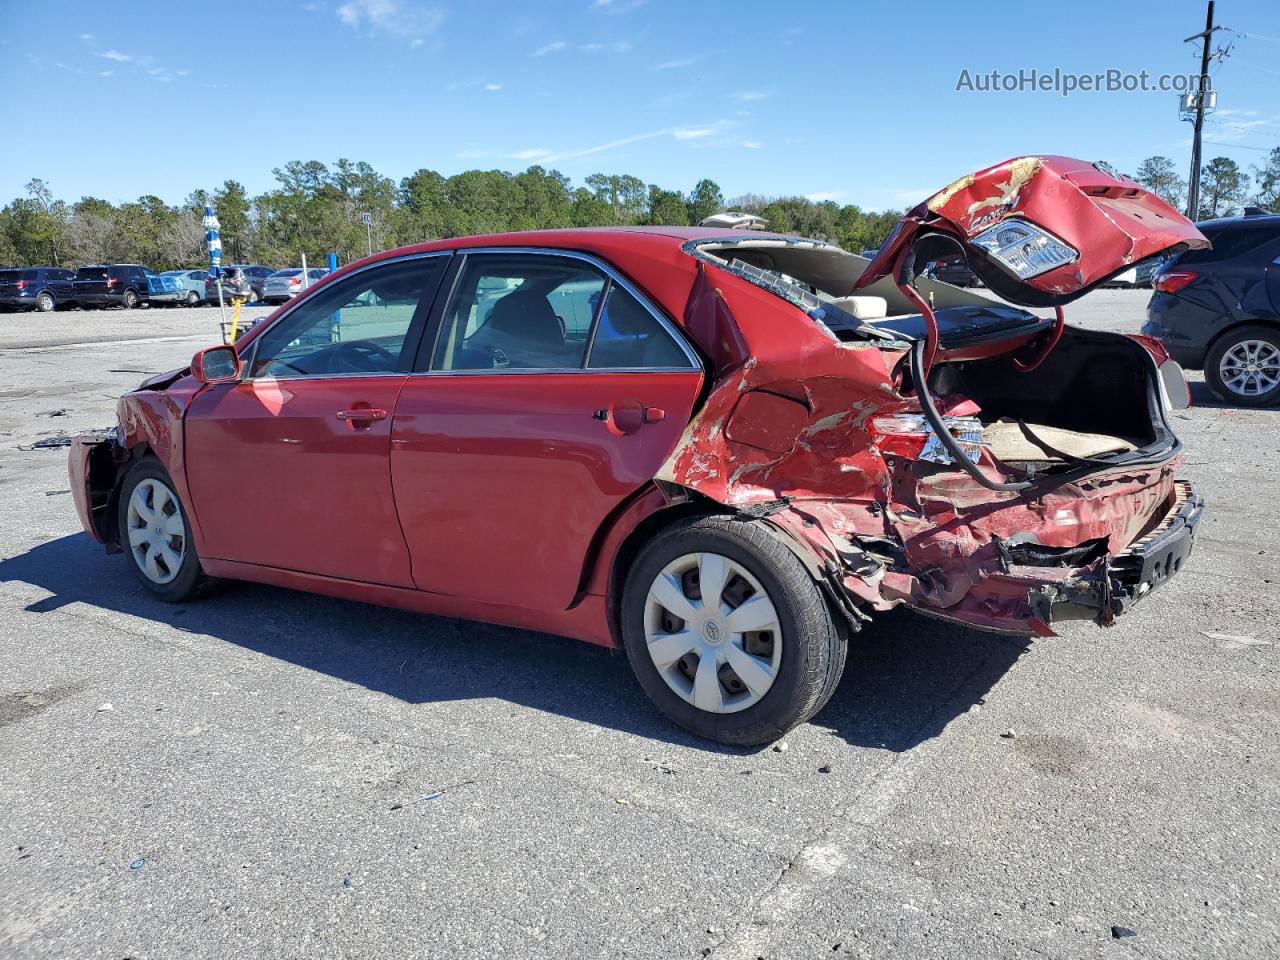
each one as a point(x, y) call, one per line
point(219, 364)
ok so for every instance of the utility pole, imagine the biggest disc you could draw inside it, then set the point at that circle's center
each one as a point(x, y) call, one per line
point(1193, 183)
point(368, 229)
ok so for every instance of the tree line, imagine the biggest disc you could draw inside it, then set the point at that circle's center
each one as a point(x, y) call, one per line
point(316, 208)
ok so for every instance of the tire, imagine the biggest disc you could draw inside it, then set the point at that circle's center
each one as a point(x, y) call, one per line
point(1234, 352)
point(130, 300)
point(164, 539)
point(45, 302)
point(794, 664)
point(193, 299)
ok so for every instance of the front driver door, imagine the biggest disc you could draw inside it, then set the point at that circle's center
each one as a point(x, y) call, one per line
point(552, 395)
point(289, 467)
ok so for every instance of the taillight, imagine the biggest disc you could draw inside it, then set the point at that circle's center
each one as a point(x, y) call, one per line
point(909, 435)
point(1174, 280)
point(22, 284)
point(111, 282)
point(295, 281)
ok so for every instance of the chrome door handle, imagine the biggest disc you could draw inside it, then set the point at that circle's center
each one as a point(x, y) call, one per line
point(363, 413)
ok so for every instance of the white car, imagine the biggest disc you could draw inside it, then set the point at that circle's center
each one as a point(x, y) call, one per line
point(285, 284)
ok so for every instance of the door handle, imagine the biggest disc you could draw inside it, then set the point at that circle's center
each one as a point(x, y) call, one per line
point(362, 413)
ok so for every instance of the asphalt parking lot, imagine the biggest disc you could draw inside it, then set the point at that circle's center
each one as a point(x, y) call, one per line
point(252, 775)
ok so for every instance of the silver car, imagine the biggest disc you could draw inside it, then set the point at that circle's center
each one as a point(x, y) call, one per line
point(287, 283)
point(192, 284)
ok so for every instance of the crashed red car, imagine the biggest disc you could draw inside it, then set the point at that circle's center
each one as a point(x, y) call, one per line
point(721, 451)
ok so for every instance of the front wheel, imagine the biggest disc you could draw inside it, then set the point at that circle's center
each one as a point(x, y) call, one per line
point(1243, 366)
point(156, 535)
point(728, 633)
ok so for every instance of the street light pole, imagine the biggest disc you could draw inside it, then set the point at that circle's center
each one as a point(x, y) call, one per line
point(1193, 183)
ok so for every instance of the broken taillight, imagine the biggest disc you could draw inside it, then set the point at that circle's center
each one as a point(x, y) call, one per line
point(909, 435)
point(1024, 249)
point(1174, 280)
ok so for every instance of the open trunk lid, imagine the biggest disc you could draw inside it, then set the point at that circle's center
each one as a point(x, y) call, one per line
point(1039, 231)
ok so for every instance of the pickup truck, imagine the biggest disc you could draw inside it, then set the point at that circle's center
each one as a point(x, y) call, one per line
point(126, 285)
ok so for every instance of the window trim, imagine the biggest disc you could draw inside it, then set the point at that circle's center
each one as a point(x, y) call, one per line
point(426, 352)
point(413, 340)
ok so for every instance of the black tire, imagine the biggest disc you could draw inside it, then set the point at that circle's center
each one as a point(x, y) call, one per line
point(191, 579)
point(130, 300)
point(1220, 347)
point(193, 299)
point(45, 302)
point(813, 647)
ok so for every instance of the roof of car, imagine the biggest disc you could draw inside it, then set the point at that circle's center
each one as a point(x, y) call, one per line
point(1252, 220)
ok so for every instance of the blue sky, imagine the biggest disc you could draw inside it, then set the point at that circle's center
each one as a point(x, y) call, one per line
point(855, 102)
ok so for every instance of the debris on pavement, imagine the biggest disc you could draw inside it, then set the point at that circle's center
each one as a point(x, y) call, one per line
point(347, 881)
point(432, 795)
point(49, 443)
point(825, 768)
point(105, 708)
point(1231, 641)
point(1120, 932)
point(138, 864)
point(780, 747)
point(60, 412)
point(1008, 734)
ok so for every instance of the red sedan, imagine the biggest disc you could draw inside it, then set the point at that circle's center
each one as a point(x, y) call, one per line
point(720, 450)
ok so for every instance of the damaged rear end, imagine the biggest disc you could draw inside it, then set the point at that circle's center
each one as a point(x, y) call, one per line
point(927, 446)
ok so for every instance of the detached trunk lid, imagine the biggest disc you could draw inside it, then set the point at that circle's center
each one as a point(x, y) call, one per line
point(1039, 231)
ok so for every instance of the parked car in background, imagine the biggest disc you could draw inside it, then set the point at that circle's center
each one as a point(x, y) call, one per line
point(952, 270)
point(655, 441)
point(1139, 275)
point(192, 284)
point(286, 284)
point(35, 288)
point(239, 281)
point(1218, 309)
point(125, 285)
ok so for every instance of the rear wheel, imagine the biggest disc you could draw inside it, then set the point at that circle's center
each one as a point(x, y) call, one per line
point(1243, 366)
point(156, 535)
point(193, 299)
point(45, 302)
point(130, 300)
point(728, 633)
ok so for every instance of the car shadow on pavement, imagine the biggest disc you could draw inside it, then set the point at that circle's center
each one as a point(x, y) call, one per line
point(1202, 396)
point(906, 678)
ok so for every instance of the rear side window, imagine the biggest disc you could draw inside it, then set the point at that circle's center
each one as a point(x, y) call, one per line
point(8, 276)
point(91, 273)
point(31, 276)
point(629, 335)
point(519, 311)
point(1229, 243)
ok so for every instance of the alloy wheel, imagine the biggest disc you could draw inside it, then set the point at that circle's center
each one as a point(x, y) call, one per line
point(45, 303)
point(157, 534)
point(713, 632)
point(1250, 368)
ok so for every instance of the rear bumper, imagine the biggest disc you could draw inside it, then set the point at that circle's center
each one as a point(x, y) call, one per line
point(165, 296)
point(1027, 599)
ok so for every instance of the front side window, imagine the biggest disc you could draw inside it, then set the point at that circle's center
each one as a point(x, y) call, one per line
point(521, 311)
point(356, 326)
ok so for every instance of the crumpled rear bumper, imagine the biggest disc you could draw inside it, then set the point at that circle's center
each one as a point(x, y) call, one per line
point(91, 468)
point(1024, 598)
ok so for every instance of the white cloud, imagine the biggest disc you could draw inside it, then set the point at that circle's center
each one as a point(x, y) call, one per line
point(86, 36)
point(692, 133)
point(537, 153)
point(493, 87)
point(472, 154)
point(675, 64)
point(406, 21)
point(749, 96)
point(617, 46)
point(751, 144)
point(105, 73)
point(617, 6)
point(555, 46)
point(684, 134)
point(117, 56)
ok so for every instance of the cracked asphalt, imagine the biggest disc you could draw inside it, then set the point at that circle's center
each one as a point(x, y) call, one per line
point(270, 774)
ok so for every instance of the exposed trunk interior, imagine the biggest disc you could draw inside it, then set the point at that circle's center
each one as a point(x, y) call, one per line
point(1095, 398)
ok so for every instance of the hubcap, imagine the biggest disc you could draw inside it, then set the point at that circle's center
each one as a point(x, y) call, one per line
point(713, 632)
point(1250, 368)
point(157, 535)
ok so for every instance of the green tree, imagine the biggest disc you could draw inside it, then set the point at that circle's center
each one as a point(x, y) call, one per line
point(705, 200)
point(231, 204)
point(1267, 178)
point(666, 208)
point(1159, 175)
point(1223, 188)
